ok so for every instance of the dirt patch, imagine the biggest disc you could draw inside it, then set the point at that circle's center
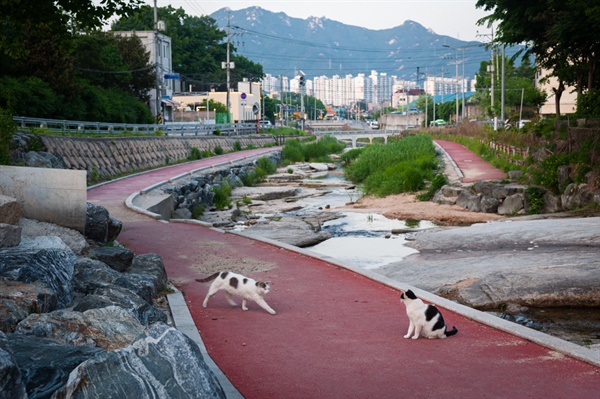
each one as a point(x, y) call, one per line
point(209, 264)
point(406, 206)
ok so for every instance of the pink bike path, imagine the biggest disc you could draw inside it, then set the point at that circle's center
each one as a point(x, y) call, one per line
point(337, 333)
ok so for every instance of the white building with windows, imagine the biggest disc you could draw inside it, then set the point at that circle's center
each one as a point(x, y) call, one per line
point(160, 49)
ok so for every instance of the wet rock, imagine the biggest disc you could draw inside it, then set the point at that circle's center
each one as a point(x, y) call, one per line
point(163, 364)
point(45, 364)
point(11, 381)
point(10, 210)
point(108, 328)
point(117, 258)
point(18, 300)
point(40, 260)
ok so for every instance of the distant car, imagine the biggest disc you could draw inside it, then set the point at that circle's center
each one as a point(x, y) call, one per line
point(374, 125)
point(409, 127)
point(438, 122)
point(266, 124)
point(523, 122)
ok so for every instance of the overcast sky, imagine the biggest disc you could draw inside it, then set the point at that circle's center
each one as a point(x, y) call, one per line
point(456, 18)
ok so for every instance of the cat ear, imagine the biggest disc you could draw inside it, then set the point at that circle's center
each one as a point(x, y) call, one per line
point(411, 295)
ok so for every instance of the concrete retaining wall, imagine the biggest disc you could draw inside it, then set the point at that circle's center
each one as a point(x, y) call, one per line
point(48, 195)
point(112, 156)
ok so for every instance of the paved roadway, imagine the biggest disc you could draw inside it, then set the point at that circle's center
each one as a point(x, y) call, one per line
point(337, 333)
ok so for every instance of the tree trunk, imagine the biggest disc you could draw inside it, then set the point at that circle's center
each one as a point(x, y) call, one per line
point(558, 91)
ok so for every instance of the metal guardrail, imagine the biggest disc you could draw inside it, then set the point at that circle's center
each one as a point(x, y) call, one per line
point(169, 128)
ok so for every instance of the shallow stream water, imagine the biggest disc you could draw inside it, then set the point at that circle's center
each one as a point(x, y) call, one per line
point(364, 240)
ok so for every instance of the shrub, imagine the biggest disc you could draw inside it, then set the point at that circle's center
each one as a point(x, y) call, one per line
point(534, 197)
point(222, 197)
point(7, 130)
point(195, 154)
point(218, 150)
point(237, 146)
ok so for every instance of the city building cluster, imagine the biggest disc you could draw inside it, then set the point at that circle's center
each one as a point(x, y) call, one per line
point(376, 90)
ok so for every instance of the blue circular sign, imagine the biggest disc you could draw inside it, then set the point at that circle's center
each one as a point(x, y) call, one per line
point(243, 95)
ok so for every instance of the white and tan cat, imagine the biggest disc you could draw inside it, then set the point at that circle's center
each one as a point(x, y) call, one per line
point(236, 284)
point(425, 320)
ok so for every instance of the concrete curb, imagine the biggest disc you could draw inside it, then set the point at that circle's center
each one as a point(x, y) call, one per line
point(548, 341)
point(182, 318)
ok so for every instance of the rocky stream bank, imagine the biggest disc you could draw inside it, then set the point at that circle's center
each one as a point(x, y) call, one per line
point(80, 318)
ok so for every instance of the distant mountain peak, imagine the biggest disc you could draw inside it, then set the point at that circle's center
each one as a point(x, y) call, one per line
point(320, 46)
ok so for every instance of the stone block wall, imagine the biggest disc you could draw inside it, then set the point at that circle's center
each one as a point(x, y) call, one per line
point(112, 156)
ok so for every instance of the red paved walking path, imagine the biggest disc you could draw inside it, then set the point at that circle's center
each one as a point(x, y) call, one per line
point(472, 166)
point(337, 334)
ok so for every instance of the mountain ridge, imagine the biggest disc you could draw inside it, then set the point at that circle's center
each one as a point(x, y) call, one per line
point(321, 46)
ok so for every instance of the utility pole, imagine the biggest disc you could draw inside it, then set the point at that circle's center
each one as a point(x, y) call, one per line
point(228, 66)
point(156, 69)
point(502, 91)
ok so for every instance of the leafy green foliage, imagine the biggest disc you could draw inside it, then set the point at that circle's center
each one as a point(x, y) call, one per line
point(438, 182)
point(222, 197)
point(237, 146)
point(7, 130)
point(312, 151)
point(396, 167)
point(218, 150)
point(199, 45)
point(534, 197)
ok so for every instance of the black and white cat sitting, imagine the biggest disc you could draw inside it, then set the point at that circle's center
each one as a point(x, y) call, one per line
point(425, 320)
point(236, 284)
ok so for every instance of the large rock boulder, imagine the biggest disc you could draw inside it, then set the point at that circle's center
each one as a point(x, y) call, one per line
point(512, 205)
point(108, 328)
point(117, 258)
point(148, 275)
point(10, 210)
point(45, 259)
point(18, 300)
point(11, 381)
point(100, 227)
point(289, 230)
point(576, 196)
point(162, 364)
point(72, 238)
point(10, 235)
point(45, 364)
point(124, 298)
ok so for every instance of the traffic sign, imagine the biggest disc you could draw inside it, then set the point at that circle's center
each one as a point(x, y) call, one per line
point(171, 76)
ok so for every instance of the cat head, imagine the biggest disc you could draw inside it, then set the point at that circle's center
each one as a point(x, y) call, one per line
point(262, 287)
point(407, 296)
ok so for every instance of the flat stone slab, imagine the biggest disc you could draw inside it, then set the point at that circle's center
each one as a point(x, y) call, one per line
point(530, 262)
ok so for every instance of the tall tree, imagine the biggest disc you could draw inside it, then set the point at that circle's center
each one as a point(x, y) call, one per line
point(563, 35)
point(199, 46)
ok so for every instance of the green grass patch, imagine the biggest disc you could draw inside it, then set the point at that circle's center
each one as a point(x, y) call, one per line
point(310, 150)
point(399, 166)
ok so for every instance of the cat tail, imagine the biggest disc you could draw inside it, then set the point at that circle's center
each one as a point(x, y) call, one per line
point(209, 278)
point(451, 332)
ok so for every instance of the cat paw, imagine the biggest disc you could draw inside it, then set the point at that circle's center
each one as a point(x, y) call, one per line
point(273, 312)
point(407, 336)
point(244, 308)
point(415, 337)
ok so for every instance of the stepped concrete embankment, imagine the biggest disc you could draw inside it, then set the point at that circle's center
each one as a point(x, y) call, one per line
point(107, 157)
